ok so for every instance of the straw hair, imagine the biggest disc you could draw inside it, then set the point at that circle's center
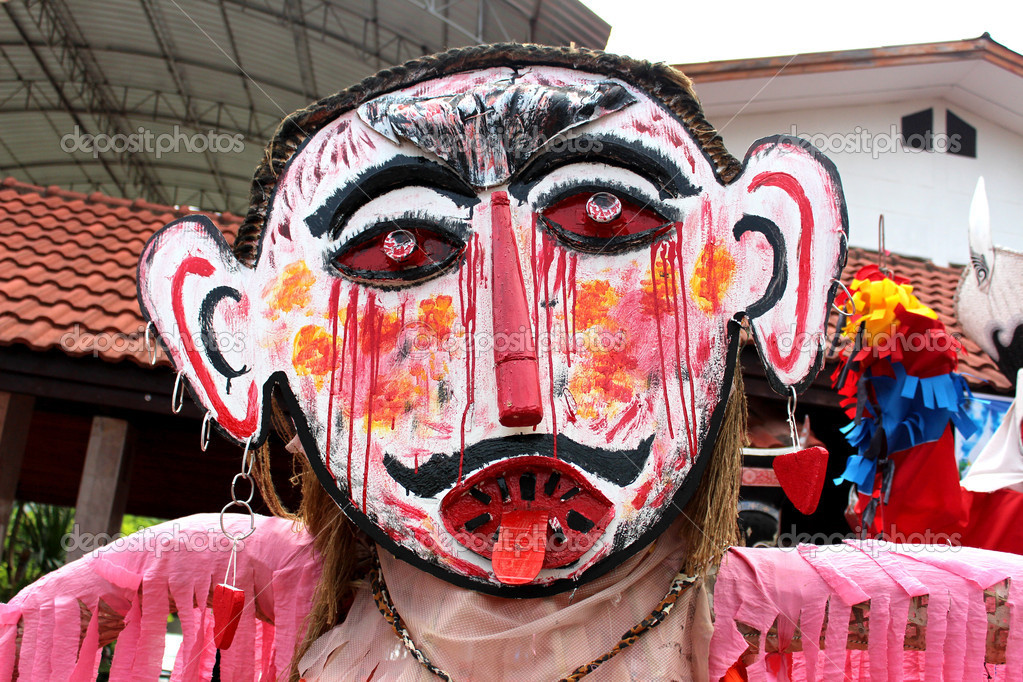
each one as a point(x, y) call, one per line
point(711, 511)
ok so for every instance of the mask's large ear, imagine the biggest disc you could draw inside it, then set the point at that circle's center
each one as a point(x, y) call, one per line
point(791, 194)
point(196, 293)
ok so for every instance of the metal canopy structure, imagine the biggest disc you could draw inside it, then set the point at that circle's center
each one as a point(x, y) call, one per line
point(172, 101)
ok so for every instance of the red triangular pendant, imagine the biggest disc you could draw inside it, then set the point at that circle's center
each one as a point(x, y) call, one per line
point(801, 475)
point(227, 610)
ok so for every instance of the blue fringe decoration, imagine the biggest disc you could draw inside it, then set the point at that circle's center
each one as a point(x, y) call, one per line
point(913, 411)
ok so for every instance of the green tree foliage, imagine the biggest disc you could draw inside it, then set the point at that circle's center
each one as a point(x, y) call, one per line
point(33, 545)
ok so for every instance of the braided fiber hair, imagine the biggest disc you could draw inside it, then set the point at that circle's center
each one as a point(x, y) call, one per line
point(711, 511)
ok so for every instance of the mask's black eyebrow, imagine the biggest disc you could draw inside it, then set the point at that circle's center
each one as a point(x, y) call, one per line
point(599, 149)
point(401, 171)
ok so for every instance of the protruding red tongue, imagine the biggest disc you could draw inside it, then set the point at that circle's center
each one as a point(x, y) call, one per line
point(521, 544)
point(526, 514)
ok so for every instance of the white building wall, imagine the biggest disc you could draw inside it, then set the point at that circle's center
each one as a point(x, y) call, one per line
point(924, 196)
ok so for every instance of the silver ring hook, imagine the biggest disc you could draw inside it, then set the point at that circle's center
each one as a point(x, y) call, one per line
point(204, 431)
point(848, 298)
point(234, 486)
point(252, 520)
point(882, 253)
point(150, 346)
point(177, 395)
point(247, 462)
point(793, 431)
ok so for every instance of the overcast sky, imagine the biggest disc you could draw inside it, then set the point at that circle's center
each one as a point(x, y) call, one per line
point(681, 32)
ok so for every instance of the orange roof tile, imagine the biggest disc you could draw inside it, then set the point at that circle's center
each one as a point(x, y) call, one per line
point(935, 286)
point(67, 269)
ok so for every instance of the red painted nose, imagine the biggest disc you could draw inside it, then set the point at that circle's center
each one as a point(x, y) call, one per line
point(515, 364)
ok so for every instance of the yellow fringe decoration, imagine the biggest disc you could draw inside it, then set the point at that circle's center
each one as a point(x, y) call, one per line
point(874, 304)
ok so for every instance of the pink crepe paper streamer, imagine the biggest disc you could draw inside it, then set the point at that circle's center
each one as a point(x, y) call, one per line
point(9, 618)
point(177, 560)
point(757, 592)
point(755, 586)
point(88, 663)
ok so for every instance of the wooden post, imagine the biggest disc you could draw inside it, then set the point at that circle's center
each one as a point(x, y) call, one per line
point(103, 491)
point(15, 415)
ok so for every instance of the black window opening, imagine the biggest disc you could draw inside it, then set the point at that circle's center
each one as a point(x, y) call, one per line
point(962, 137)
point(917, 130)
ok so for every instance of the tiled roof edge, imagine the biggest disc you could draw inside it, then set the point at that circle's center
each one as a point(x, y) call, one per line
point(137, 205)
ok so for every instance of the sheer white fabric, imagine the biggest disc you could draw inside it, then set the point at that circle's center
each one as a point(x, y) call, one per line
point(473, 636)
point(1000, 464)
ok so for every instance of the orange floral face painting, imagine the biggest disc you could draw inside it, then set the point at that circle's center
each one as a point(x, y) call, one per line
point(503, 309)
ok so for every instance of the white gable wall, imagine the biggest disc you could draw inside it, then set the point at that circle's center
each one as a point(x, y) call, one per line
point(924, 196)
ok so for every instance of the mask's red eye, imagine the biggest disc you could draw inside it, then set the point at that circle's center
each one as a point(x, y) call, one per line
point(398, 253)
point(603, 221)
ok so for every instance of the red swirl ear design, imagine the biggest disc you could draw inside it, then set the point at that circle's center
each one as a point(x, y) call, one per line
point(792, 195)
point(194, 291)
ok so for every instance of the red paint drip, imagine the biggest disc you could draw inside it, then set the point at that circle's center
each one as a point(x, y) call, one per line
point(467, 304)
point(685, 325)
point(426, 392)
point(546, 261)
point(563, 278)
point(573, 259)
point(667, 258)
point(463, 275)
point(688, 411)
point(376, 321)
point(660, 341)
point(352, 327)
point(335, 292)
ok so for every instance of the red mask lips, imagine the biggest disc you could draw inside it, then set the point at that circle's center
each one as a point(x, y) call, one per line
point(526, 514)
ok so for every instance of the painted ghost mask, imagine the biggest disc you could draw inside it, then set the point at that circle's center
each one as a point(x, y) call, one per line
point(502, 305)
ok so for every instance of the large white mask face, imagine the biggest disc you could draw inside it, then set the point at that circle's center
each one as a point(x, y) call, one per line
point(501, 306)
